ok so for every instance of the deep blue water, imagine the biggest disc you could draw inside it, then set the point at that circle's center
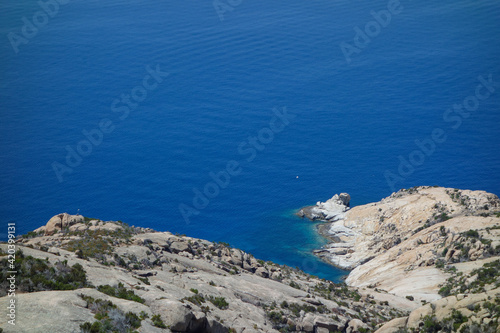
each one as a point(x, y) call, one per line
point(351, 120)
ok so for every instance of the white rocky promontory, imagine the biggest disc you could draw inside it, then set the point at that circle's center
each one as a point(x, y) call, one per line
point(332, 210)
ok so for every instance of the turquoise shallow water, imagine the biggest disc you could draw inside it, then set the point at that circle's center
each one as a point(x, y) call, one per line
point(351, 121)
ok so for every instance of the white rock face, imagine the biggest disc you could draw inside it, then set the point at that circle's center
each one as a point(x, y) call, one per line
point(334, 208)
point(331, 210)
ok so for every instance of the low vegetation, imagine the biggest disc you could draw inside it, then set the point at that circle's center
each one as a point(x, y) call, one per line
point(121, 292)
point(109, 318)
point(98, 243)
point(158, 322)
point(199, 299)
point(38, 275)
point(480, 279)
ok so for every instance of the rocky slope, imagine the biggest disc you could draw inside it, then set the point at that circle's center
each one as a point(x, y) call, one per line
point(85, 275)
point(422, 260)
point(423, 244)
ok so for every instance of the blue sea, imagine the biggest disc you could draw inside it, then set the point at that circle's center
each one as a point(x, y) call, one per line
point(298, 99)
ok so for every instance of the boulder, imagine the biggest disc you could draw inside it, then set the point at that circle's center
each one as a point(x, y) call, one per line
point(60, 222)
point(213, 326)
point(354, 325)
point(276, 276)
point(328, 324)
point(175, 315)
point(177, 247)
point(236, 258)
point(417, 314)
point(261, 271)
point(308, 322)
point(393, 326)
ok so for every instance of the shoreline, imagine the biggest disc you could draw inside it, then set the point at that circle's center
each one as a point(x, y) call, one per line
point(391, 243)
point(321, 228)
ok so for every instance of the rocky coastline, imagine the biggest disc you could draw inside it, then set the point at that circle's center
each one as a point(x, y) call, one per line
point(426, 259)
point(414, 242)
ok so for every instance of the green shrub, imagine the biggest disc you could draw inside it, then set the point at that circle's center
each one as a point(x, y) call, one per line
point(431, 325)
point(143, 315)
point(109, 318)
point(121, 292)
point(472, 233)
point(440, 263)
point(38, 275)
point(133, 320)
point(219, 302)
point(196, 299)
point(145, 280)
point(445, 291)
point(158, 322)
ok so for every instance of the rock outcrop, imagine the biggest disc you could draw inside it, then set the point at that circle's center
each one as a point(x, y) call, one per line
point(331, 210)
point(59, 222)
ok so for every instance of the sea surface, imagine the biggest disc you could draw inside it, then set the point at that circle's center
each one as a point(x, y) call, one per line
point(350, 124)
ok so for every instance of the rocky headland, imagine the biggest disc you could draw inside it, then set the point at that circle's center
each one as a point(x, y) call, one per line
point(422, 260)
point(428, 244)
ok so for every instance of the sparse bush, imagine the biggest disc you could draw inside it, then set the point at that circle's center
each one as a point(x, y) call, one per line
point(472, 233)
point(38, 275)
point(196, 299)
point(219, 302)
point(121, 292)
point(158, 322)
point(442, 217)
point(109, 318)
